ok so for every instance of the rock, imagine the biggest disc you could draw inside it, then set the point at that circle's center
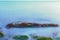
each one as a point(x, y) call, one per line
point(54, 25)
point(10, 25)
point(27, 24)
point(35, 24)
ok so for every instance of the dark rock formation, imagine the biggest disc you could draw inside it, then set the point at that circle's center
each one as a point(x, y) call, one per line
point(26, 24)
point(35, 24)
point(31, 25)
point(10, 25)
point(54, 25)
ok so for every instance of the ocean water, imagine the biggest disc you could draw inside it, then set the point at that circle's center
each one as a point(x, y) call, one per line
point(38, 12)
point(48, 32)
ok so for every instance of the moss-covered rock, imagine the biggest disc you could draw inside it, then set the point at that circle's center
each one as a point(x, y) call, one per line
point(1, 34)
point(21, 37)
point(44, 38)
point(41, 38)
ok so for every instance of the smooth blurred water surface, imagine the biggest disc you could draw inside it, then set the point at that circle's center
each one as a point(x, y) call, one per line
point(39, 12)
point(48, 31)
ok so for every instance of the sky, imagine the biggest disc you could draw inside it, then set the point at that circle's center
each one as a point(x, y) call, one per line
point(11, 11)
